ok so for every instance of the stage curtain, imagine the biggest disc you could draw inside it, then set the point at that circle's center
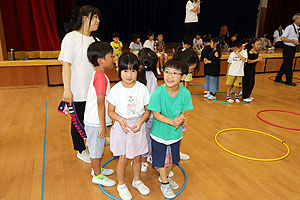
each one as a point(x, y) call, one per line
point(30, 26)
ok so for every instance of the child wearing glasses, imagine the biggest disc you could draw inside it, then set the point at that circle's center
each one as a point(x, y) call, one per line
point(169, 104)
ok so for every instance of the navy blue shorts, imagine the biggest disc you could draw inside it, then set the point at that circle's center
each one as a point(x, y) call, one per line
point(159, 153)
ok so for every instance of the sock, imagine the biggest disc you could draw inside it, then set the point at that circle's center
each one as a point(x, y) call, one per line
point(228, 97)
point(165, 183)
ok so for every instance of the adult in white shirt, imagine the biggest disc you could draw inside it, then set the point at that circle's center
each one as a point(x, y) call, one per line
point(76, 69)
point(192, 9)
point(291, 39)
point(277, 42)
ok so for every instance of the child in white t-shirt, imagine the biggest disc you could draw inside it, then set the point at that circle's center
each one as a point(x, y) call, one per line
point(235, 70)
point(128, 101)
point(150, 42)
point(100, 54)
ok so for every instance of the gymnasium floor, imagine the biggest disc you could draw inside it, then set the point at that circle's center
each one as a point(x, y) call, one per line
point(212, 174)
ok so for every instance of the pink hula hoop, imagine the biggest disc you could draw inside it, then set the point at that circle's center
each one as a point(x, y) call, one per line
point(272, 78)
point(295, 129)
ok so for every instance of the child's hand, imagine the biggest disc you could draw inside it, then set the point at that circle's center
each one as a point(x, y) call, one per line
point(124, 125)
point(184, 124)
point(261, 60)
point(179, 120)
point(137, 127)
point(102, 132)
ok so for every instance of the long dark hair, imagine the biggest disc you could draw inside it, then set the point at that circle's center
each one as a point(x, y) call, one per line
point(189, 56)
point(86, 11)
point(148, 59)
point(249, 45)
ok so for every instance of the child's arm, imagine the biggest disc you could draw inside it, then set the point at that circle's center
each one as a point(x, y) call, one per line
point(120, 46)
point(206, 61)
point(239, 55)
point(113, 115)
point(101, 114)
point(162, 118)
point(144, 118)
point(229, 64)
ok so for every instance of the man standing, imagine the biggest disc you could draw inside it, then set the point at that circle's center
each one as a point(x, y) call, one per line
point(291, 39)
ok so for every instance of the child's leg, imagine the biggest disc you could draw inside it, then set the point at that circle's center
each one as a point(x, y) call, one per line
point(229, 87)
point(164, 173)
point(96, 165)
point(137, 168)
point(238, 90)
point(161, 61)
point(121, 169)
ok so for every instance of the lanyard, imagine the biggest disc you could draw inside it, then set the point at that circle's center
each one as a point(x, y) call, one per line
point(64, 107)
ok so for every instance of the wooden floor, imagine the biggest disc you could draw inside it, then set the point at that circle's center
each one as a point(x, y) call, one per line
point(212, 174)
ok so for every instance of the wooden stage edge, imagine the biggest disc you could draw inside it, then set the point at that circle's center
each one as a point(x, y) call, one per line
point(47, 72)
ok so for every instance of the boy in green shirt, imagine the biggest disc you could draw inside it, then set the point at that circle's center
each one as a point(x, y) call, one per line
point(169, 104)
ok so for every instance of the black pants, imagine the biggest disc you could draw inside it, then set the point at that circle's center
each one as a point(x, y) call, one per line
point(287, 65)
point(248, 81)
point(190, 29)
point(78, 141)
point(279, 44)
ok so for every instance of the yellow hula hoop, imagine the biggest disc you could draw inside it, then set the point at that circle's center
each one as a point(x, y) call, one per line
point(250, 158)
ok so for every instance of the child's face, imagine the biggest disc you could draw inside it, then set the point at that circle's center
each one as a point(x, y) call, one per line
point(192, 68)
point(257, 45)
point(160, 38)
point(129, 75)
point(198, 37)
point(186, 46)
point(151, 37)
point(116, 39)
point(233, 38)
point(234, 48)
point(138, 40)
point(172, 77)
point(107, 62)
point(212, 45)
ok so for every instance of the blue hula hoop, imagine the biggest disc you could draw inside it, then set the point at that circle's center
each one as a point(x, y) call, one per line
point(115, 198)
point(197, 85)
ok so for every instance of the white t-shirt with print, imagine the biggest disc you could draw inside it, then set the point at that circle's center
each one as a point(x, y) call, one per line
point(99, 85)
point(237, 65)
point(74, 51)
point(149, 44)
point(129, 102)
point(190, 16)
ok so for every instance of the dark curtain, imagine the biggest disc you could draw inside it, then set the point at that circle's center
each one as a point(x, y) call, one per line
point(280, 12)
point(139, 16)
point(30, 25)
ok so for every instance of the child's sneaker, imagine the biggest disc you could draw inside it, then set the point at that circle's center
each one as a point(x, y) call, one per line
point(167, 191)
point(184, 156)
point(173, 184)
point(124, 192)
point(247, 100)
point(230, 100)
point(149, 159)
point(141, 187)
point(212, 97)
point(251, 98)
point(103, 180)
point(84, 156)
point(207, 95)
point(237, 100)
point(144, 167)
point(105, 172)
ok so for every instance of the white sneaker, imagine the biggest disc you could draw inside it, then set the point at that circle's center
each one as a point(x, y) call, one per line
point(124, 192)
point(141, 187)
point(237, 100)
point(144, 167)
point(158, 71)
point(206, 92)
point(103, 180)
point(149, 159)
point(173, 184)
point(84, 156)
point(184, 156)
point(105, 172)
point(171, 174)
point(230, 101)
point(207, 95)
point(247, 100)
point(252, 98)
point(167, 191)
point(212, 97)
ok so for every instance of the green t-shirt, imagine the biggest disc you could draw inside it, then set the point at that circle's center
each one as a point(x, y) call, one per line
point(161, 101)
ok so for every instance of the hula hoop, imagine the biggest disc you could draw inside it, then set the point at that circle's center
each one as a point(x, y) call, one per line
point(294, 129)
point(272, 79)
point(227, 102)
point(251, 158)
point(197, 85)
point(115, 198)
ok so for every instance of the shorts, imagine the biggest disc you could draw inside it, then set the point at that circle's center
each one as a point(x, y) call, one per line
point(189, 77)
point(95, 143)
point(159, 153)
point(234, 80)
point(161, 54)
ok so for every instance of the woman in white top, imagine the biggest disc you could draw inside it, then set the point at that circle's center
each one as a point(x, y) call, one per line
point(192, 9)
point(277, 42)
point(76, 69)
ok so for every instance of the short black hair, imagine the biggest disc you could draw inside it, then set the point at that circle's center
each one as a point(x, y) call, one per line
point(159, 34)
point(188, 40)
point(178, 64)
point(236, 43)
point(150, 33)
point(97, 50)
point(189, 56)
point(115, 35)
point(135, 36)
point(128, 61)
point(207, 39)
